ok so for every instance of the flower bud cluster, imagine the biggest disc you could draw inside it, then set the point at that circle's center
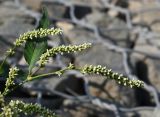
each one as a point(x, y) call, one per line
point(70, 67)
point(7, 112)
point(119, 78)
point(36, 33)
point(10, 51)
point(61, 49)
point(1, 100)
point(10, 80)
point(17, 107)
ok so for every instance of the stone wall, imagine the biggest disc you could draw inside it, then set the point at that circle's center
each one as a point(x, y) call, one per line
point(125, 37)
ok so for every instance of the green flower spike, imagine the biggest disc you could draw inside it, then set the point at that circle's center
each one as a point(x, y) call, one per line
point(119, 78)
point(36, 33)
point(61, 49)
point(10, 80)
point(19, 107)
point(10, 51)
point(1, 100)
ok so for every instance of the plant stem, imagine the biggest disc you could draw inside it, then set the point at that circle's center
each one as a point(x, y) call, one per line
point(36, 77)
point(48, 74)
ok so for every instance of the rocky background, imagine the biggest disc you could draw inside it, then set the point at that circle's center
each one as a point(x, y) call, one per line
point(125, 37)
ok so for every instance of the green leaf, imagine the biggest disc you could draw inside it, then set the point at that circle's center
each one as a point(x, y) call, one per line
point(36, 47)
point(4, 70)
point(44, 22)
point(33, 51)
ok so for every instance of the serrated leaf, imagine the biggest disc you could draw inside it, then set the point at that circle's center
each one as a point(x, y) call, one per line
point(36, 47)
point(33, 52)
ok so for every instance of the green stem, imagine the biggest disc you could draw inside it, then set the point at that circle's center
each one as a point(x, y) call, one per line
point(36, 77)
point(55, 73)
point(48, 74)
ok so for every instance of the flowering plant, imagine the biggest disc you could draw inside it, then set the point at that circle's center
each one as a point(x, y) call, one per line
point(36, 52)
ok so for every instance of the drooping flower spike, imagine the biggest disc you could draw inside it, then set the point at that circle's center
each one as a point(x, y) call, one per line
point(13, 72)
point(36, 33)
point(119, 78)
point(19, 107)
point(61, 49)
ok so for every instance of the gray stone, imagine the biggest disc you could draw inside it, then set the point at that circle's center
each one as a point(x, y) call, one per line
point(100, 55)
point(15, 26)
point(13, 22)
point(83, 109)
point(94, 3)
point(143, 46)
point(155, 26)
point(139, 113)
point(144, 14)
point(32, 4)
point(153, 72)
point(78, 35)
point(148, 70)
point(55, 10)
point(94, 17)
point(113, 29)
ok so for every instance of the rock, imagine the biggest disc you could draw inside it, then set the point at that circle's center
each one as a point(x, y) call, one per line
point(56, 10)
point(146, 68)
point(8, 9)
point(78, 35)
point(153, 72)
point(13, 22)
point(135, 5)
point(100, 55)
point(155, 26)
point(113, 13)
point(65, 26)
point(82, 109)
point(15, 26)
point(113, 29)
point(145, 14)
point(140, 113)
point(32, 4)
point(109, 26)
point(93, 17)
point(142, 45)
point(94, 3)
